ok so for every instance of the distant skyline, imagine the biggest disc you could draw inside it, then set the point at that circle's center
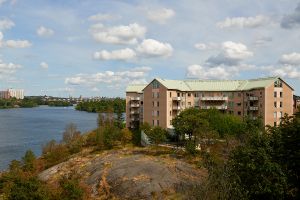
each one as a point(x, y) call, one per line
point(98, 47)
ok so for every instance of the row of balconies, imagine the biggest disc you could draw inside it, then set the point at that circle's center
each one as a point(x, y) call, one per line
point(221, 107)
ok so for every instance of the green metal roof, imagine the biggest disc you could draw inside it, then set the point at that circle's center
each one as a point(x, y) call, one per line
point(136, 88)
point(209, 85)
point(217, 85)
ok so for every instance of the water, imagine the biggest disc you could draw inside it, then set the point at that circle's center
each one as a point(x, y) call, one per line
point(30, 128)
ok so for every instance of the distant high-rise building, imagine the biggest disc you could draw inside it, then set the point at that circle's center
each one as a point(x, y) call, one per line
point(12, 93)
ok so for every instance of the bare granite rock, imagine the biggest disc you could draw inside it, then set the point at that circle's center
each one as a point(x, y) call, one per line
point(129, 175)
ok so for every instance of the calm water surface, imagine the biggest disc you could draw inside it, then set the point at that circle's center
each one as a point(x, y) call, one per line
point(30, 128)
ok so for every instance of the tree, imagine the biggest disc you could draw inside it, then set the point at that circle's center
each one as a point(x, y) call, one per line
point(71, 133)
point(126, 136)
point(157, 135)
point(28, 161)
point(253, 172)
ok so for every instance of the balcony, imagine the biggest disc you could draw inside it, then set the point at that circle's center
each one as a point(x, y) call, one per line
point(135, 105)
point(217, 98)
point(253, 98)
point(223, 107)
point(134, 112)
point(134, 119)
point(135, 98)
point(253, 108)
point(176, 107)
point(176, 98)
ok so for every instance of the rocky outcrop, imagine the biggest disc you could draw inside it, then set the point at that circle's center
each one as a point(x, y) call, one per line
point(129, 174)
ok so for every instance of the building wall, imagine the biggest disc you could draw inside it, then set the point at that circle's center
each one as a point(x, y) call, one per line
point(272, 113)
point(134, 98)
point(4, 95)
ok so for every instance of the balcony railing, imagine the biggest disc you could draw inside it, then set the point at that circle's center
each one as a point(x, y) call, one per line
point(176, 98)
point(217, 98)
point(134, 105)
point(135, 98)
point(176, 107)
point(134, 112)
point(253, 108)
point(216, 107)
point(135, 119)
point(253, 98)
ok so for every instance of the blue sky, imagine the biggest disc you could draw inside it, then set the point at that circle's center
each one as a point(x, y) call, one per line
point(97, 47)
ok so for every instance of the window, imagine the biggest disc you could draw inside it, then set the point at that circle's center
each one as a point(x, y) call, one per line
point(155, 84)
point(170, 94)
point(189, 94)
point(158, 104)
point(178, 94)
point(275, 104)
point(182, 94)
point(280, 94)
point(239, 113)
point(280, 115)
point(142, 102)
point(157, 113)
point(275, 115)
point(152, 103)
point(239, 104)
point(152, 122)
point(170, 113)
point(280, 104)
point(157, 122)
point(277, 83)
point(196, 94)
point(275, 124)
point(275, 94)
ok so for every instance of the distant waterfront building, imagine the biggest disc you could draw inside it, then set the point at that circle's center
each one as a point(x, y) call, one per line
point(12, 93)
point(4, 94)
point(160, 101)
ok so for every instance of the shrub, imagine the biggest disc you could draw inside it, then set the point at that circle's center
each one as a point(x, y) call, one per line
point(126, 136)
point(54, 153)
point(71, 188)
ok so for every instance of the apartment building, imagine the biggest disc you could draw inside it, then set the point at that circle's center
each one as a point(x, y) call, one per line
point(134, 105)
point(296, 103)
point(12, 93)
point(161, 100)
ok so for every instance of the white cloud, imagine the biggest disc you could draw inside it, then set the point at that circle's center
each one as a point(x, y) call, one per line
point(44, 32)
point(198, 71)
point(244, 22)
point(291, 59)
point(153, 48)
point(102, 17)
point(6, 69)
point(287, 71)
point(137, 74)
point(160, 15)
point(44, 65)
point(121, 54)
point(208, 46)
point(231, 54)
point(6, 24)
point(118, 34)
point(17, 43)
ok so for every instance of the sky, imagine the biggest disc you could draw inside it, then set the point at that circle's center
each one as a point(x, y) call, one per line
point(98, 47)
